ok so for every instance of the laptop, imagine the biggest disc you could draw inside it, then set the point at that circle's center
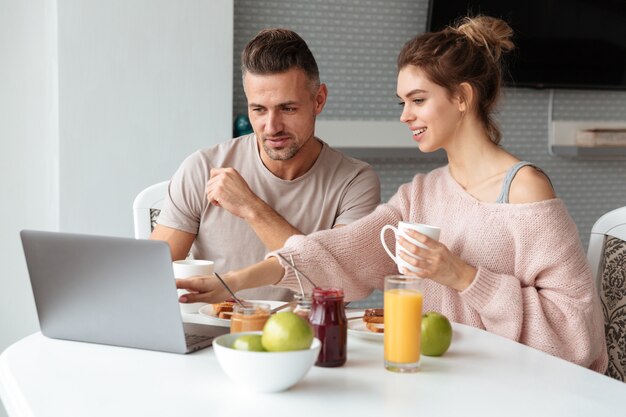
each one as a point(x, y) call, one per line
point(109, 290)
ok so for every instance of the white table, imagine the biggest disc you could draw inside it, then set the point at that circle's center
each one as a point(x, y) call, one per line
point(481, 375)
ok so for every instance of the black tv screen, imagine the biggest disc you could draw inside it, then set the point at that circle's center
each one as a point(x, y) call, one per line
point(560, 43)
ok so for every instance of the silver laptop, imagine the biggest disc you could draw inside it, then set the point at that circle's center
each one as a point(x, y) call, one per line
point(109, 290)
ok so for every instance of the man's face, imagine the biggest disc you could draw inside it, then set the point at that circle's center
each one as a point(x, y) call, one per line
point(282, 110)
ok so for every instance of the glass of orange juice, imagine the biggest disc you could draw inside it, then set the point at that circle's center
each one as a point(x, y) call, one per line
point(403, 322)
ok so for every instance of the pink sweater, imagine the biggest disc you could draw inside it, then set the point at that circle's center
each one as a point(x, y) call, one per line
point(533, 283)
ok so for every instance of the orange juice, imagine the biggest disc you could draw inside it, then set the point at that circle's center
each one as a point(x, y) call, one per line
point(403, 325)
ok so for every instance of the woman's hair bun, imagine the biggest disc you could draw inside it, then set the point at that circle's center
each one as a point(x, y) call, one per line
point(493, 34)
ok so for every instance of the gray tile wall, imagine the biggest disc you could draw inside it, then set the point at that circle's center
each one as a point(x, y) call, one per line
point(356, 43)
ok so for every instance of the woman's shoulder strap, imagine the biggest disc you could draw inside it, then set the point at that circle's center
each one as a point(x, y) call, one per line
point(508, 179)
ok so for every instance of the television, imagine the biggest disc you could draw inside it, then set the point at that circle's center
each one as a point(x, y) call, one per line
point(559, 43)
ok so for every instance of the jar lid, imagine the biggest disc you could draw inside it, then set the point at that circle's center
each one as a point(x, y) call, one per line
point(302, 297)
point(251, 308)
point(327, 292)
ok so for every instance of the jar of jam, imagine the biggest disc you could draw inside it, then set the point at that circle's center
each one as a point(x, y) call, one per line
point(249, 317)
point(328, 319)
point(302, 305)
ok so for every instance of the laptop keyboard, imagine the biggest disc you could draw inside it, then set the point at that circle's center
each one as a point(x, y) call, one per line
point(192, 339)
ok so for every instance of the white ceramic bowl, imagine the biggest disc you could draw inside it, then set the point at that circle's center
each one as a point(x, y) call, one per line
point(264, 371)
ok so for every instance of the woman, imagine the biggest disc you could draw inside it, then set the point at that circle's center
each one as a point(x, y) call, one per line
point(509, 259)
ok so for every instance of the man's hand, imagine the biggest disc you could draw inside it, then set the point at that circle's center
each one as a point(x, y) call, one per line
point(227, 189)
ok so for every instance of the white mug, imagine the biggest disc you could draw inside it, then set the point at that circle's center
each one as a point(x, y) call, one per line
point(430, 231)
point(188, 268)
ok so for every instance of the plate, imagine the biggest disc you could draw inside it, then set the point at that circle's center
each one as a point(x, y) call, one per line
point(358, 329)
point(209, 316)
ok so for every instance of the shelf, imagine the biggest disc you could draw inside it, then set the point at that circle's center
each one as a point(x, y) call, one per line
point(403, 153)
point(562, 140)
point(372, 139)
point(604, 152)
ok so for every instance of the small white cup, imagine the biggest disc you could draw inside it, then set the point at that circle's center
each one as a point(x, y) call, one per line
point(188, 268)
point(430, 231)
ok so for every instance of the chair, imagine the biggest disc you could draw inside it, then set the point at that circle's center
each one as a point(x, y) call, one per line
point(607, 257)
point(146, 208)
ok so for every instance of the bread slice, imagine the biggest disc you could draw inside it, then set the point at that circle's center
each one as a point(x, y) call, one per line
point(375, 327)
point(223, 307)
point(374, 319)
point(225, 315)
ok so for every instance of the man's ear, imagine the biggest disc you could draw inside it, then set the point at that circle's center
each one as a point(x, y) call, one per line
point(465, 97)
point(320, 98)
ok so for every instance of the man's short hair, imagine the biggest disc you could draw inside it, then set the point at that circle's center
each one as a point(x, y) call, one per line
point(275, 51)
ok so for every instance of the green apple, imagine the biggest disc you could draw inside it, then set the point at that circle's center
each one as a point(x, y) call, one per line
point(250, 342)
point(286, 331)
point(436, 334)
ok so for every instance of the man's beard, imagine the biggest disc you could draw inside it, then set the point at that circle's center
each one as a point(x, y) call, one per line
point(282, 154)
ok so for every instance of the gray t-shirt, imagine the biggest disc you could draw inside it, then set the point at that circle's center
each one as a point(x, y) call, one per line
point(336, 190)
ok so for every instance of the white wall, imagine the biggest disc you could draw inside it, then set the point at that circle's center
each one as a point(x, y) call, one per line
point(142, 84)
point(99, 99)
point(28, 151)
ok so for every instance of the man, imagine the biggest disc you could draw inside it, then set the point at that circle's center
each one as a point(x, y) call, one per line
point(235, 201)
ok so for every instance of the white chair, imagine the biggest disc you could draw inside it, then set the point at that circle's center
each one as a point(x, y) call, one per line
point(146, 208)
point(607, 257)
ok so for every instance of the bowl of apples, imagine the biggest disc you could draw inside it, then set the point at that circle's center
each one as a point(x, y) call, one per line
point(271, 360)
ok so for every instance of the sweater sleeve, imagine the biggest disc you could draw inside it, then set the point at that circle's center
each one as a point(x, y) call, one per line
point(349, 257)
point(550, 304)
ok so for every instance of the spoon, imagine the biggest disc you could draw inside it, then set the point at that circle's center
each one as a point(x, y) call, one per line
point(296, 269)
point(280, 307)
point(229, 290)
point(297, 276)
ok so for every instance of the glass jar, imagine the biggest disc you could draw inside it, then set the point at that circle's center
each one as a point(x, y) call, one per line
point(328, 319)
point(249, 317)
point(302, 305)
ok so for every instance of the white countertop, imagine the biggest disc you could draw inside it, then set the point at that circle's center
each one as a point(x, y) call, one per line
point(482, 374)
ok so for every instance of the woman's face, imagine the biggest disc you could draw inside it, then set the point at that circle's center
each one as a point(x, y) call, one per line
point(427, 109)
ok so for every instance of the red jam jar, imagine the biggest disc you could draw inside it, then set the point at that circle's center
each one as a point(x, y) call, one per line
point(328, 319)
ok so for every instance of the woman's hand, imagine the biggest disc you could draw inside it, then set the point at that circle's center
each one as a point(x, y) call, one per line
point(436, 263)
point(205, 288)
point(209, 289)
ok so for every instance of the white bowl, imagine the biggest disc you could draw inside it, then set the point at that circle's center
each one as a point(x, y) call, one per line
point(264, 371)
